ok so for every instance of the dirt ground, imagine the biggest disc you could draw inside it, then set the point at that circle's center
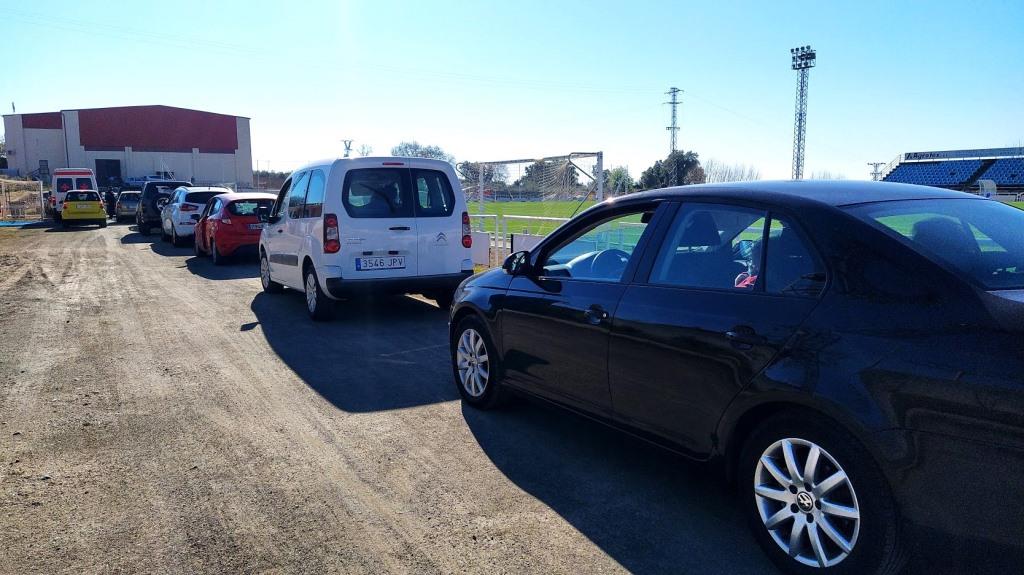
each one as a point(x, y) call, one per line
point(161, 415)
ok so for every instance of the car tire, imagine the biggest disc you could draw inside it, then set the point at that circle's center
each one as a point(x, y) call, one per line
point(103, 224)
point(164, 235)
point(857, 509)
point(143, 227)
point(215, 256)
point(175, 240)
point(269, 285)
point(318, 305)
point(196, 248)
point(475, 365)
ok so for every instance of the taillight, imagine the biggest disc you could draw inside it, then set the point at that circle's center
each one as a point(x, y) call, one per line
point(53, 201)
point(188, 208)
point(467, 232)
point(226, 221)
point(64, 205)
point(332, 238)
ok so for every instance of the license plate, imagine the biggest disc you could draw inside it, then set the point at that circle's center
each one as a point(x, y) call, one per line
point(82, 206)
point(381, 263)
point(255, 226)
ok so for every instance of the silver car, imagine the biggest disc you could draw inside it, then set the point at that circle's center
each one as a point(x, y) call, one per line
point(127, 203)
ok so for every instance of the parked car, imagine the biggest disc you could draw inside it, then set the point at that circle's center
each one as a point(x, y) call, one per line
point(152, 200)
point(360, 226)
point(126, 206)
point(66, 180)
point(850, 353)
point(179, 215)
point(83, 207)
point(229, 225)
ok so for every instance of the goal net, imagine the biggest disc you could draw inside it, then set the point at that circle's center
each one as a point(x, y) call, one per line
point(21, 200)
point(556, 179)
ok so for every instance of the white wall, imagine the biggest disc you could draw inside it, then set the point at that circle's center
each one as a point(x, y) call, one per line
point(243, 157)
point(32, 145)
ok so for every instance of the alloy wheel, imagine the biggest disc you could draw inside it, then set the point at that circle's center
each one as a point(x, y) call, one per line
point(311, 292)
point(807, 502)
point(264, 271)
point(473, 363)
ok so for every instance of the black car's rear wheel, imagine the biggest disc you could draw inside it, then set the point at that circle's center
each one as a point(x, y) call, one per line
point(815, 499)
point(475, 364)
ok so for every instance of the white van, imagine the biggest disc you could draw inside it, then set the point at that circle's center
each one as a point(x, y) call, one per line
point(350, 227)
point(66, 180)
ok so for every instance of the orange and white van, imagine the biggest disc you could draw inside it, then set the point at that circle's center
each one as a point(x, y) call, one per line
point(66, 180)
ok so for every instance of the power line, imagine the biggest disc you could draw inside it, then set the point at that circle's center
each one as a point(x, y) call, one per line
point(674, 128)
point(876, 173)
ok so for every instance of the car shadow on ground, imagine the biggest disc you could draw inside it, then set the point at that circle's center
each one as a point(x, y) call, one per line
point(236, 267)
point(650, 510)
point(377, 354)
point(134, 237)
point(57, 228)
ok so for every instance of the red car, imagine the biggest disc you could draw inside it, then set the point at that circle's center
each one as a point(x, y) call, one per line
point(228, 225)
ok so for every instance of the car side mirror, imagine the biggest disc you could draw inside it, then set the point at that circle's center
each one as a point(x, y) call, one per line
point(263, 214)
point(517, 264)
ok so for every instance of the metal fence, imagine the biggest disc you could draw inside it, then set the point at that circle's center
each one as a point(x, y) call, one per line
point(21, 200)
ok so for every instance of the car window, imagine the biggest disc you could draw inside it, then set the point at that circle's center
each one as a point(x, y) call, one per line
point(791, 267)
point(248, 207)
point(280, 202)
point(83, 184)
point(600, 252)
point(434, 195)
point(981, 240)
point(198, 197)
point(315, 195)
point(63, 184)
point(377, 193)
point(711, 246)
point(297, 196)
point(82, 197)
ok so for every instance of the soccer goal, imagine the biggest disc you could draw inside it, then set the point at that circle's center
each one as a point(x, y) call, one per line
point(577, 176)
point(21, 200)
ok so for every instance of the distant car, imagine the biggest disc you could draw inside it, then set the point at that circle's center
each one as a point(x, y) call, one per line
point(179, 215)
point(229, 225)
point(152, 200)
point(83, 207)
point(850, 353)
point(66, 180)
point(351, 227)
point(126, 205)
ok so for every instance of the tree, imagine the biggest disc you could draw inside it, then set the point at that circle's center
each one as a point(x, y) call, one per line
point(827, 175)
point(618, 182)
point(364, 150)
point(492, 172)
point(413, 149)
point(543, 174)
point(716, 171)
point(679, 168)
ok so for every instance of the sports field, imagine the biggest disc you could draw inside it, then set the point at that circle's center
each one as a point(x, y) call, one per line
point(535, 209)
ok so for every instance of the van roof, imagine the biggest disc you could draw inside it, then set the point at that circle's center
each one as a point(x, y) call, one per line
point(376, 161)
point(73, 171)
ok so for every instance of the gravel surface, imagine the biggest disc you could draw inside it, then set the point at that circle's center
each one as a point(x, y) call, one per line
point(161, 415)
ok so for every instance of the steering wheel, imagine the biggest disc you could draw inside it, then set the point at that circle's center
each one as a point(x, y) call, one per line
point(609, 264)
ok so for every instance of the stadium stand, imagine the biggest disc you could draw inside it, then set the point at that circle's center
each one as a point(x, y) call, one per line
point(960, 169)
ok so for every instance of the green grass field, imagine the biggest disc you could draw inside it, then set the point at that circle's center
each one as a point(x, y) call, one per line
point(536, 209)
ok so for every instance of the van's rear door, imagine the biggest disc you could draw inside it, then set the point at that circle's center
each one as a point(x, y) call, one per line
point(378, 229)
point(440, 226)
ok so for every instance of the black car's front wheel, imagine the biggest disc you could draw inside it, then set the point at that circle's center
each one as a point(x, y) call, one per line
point(475, 364)
point(815, 499)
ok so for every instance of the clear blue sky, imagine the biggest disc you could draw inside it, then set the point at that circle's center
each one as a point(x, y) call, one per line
point(493, 80)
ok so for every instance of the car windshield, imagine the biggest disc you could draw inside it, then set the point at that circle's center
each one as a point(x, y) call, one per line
point(200, 197)
point(131, 197)
point(982, 240)
point(248, 207)
point(82, 197)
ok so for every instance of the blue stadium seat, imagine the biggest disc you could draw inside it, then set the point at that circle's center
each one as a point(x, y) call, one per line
point(1006, 172)
point(948, 173)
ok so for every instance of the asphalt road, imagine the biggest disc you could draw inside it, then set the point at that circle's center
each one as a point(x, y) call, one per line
point(161, 415)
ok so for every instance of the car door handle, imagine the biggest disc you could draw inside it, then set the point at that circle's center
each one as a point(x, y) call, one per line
point(595, 314)
point(399, 228)
point(744, 337)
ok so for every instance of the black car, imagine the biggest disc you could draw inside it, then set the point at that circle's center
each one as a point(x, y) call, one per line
point(850, 354)
point(154, 197)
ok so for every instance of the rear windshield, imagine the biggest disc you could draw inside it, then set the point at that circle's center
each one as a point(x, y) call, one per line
point(83, 184)
point(983, 240)
point(167, 188)
point(248, 207)
point(200, 197)
point(63, 184)
point(378, 193)
point(128, 196)
point(434, 196)
point(82, 197)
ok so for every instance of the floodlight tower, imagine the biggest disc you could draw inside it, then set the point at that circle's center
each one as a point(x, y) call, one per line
point(674, 128)
point(804, 58)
